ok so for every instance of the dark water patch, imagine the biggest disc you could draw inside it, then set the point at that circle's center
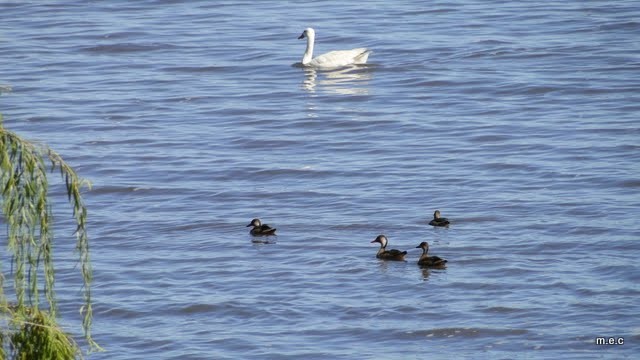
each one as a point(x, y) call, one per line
point(213, 225)
point(612, 269)
point(257, 55)
point(125, 34)
point(632, 183)
point(527, 168)
point(121, 141)
point(622, 25)
point(199, 69)
point(494, 42)
point(490, 219)
point(605, 291)
point(123, 48)
point(494, 52)
point(560, 246)
point(493, 138)
point(121, 313)
point(504, 310)
point(467, 286)
point(514, 270)
point(108, 189)
point(438, 9)
point(466, 332)
point(207, 309)
point(298, 173)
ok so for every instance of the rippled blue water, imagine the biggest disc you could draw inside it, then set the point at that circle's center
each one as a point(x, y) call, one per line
point(518, 120)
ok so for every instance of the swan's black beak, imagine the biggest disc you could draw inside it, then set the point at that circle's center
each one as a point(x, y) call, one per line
point(301, 36)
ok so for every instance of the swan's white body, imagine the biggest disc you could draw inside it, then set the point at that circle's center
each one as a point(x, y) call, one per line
point(331, 59)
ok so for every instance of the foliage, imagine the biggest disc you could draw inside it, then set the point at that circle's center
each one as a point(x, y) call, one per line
point(27, 212)
point(37, 336)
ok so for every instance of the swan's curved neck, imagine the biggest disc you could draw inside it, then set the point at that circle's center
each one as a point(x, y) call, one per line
point(308, 54)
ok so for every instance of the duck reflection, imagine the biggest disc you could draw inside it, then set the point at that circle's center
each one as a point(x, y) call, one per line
point(352, 80)
point(425, 274)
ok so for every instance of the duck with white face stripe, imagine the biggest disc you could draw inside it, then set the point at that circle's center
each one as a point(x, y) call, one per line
point(385, 254)
point(260, 229)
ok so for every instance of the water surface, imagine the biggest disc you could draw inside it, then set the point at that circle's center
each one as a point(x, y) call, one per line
point(519, 121)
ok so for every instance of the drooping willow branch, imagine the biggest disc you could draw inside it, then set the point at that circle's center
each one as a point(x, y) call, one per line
point(26, 209)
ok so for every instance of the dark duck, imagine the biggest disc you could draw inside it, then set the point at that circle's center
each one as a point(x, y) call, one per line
point(439, 221)
point(260, 229)
point(385, 254)
point(430, 261)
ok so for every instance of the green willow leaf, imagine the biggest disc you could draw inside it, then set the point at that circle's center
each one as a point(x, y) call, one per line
point(27, 213)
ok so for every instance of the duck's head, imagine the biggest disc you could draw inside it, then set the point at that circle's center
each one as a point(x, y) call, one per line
point(382, 240)
point(423, 245)
point(255, 223)
point(308, 32)
point(436, 214)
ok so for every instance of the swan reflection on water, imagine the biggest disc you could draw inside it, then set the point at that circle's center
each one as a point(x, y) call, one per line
point(351, 80)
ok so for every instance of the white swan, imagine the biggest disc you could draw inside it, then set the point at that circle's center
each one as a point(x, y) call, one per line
point(331, 59)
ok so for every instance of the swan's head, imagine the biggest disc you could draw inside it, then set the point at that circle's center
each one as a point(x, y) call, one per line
point(255, 223)
point(436, 214)
point(308, 32)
